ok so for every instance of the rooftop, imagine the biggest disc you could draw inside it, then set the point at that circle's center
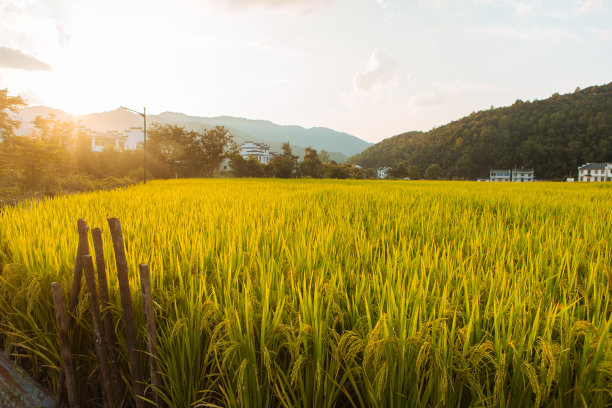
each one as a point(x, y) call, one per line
point(594, 166)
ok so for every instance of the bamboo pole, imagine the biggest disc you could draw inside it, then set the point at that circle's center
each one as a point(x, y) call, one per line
point(62, 329)
point(82, 249)
point(100, 345)
point(128, 311)
point(107, 318)
point(145, 282)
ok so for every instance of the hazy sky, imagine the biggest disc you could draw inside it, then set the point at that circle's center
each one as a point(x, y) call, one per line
point(372, 68)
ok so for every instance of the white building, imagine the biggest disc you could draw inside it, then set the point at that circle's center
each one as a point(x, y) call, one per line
point(517, 175)
point(128, 139)
point(500, 175)
point(522, 175)
point(256, 150)
point(595, 172)
point(382, 172)
point(103, 140)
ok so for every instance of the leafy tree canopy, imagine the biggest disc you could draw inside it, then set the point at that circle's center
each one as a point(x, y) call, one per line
point(176, 152)
point(9, 104)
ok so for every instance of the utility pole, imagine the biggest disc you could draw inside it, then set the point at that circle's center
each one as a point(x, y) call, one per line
point(144, 158)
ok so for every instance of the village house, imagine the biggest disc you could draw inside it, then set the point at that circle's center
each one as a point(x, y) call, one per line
point(595, 172)
point(500, 175)
point(255, 150)
point(522, 175)
point(382, 172)
point(517, 175)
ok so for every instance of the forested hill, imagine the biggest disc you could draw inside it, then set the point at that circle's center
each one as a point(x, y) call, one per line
point(554, 136)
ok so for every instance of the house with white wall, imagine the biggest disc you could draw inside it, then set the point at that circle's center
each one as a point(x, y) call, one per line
point(522, 175)
point(256, 150)
point(517, 175)
point(595, 172)
point(112, 139)
point(500, 175)
point(383, 172)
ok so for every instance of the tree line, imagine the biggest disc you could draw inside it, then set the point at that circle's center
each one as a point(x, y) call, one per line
point(286, 165)
point(57, 157)
point(553, 136)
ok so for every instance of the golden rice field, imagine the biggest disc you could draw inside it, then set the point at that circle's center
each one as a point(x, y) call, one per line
point(305, 293)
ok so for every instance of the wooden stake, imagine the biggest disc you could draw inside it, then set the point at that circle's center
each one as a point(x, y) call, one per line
point(100, 345)
point(82, 249)
point(129, 321)
point(62, 329)
point(107, 318)
point(145, 282)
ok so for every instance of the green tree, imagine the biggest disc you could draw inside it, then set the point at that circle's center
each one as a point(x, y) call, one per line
point(413, 172)
point(311, 165)
point(206, 150)
point(324, 156)
point(433, 172)
point(8, 105)
point(34, 165)
point(177, 152)
point(336, 171)
point(166, 149)
point(250, 167)
point(84, 158)
point(399, 171)
point(285, 165)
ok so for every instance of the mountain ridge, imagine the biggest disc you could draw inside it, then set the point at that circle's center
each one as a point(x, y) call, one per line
point(340, 145)
point(552, 136)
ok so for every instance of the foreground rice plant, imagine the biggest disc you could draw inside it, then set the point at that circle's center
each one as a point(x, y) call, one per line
point(331, 293)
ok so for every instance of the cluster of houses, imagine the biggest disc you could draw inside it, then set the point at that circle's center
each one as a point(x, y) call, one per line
point(129, 138)
point(586, 173)
point(589, 172)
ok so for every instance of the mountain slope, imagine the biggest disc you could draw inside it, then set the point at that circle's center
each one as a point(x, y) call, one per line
point(339, 144)
point(553, 136)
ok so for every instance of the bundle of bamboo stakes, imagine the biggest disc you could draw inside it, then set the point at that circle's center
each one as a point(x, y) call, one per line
point(102, 323)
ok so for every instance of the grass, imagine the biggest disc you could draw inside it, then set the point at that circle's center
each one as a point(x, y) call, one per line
point(303, 293)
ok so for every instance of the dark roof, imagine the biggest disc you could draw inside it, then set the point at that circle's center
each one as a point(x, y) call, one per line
point(593, 166)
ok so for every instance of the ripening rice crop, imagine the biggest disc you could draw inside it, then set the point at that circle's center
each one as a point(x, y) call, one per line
point(273, 293)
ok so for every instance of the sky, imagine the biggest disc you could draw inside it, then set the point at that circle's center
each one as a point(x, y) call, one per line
point(371, 68)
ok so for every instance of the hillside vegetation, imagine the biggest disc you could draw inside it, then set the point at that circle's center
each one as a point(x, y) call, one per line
point(554, 136)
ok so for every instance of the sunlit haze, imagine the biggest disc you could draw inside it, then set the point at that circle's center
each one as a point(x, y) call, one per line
point(372, 68)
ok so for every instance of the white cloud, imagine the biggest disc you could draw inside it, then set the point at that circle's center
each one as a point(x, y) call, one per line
point(380, 75)
point(531, 33)
point(306, 5)
point(588, 6)
point(428, 99)
point(603, 33)
point(35, 26)
point(378, 84)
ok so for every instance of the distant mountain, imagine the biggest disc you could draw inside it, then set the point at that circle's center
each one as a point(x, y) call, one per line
point(340, 145)
point(553, 136)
